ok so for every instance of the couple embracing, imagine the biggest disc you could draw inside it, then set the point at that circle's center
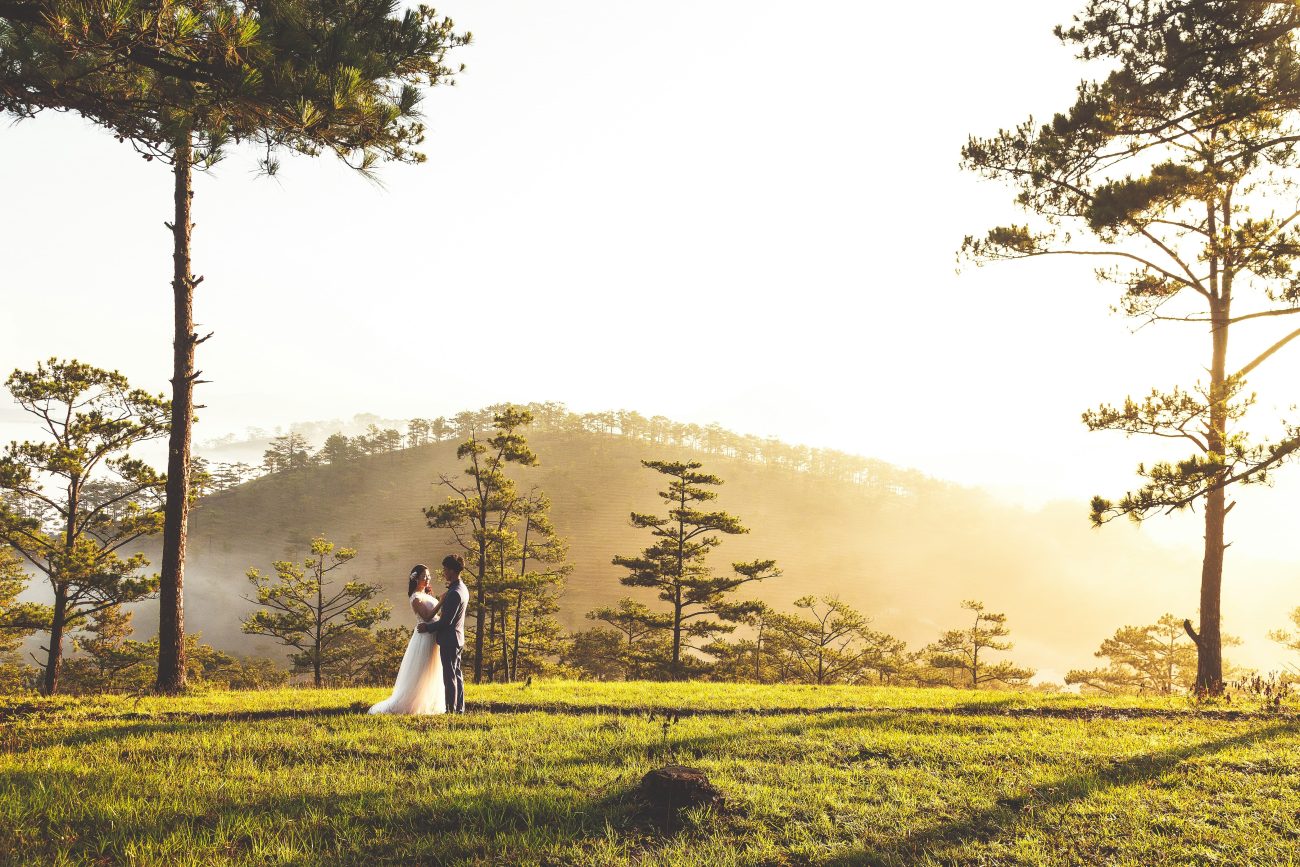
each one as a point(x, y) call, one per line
point(430, 678)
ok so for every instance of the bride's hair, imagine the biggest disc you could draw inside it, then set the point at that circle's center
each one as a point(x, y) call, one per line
point(454, 562)
point(419, 572)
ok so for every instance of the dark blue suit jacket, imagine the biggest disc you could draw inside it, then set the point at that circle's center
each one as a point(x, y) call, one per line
point(449, 624)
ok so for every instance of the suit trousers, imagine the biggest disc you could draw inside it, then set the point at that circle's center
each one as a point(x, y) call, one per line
point(452, 676)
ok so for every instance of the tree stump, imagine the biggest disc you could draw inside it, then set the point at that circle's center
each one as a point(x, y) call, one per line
point(668, 790)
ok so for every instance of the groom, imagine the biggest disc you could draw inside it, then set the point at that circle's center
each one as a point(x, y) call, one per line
point(449, 627)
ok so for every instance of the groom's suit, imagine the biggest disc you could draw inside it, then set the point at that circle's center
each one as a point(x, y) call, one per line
point(449, 627)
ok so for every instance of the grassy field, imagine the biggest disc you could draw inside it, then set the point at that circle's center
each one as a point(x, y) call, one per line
point(543, 774)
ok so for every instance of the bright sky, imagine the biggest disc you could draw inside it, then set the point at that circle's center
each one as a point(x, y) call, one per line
point(735, 212)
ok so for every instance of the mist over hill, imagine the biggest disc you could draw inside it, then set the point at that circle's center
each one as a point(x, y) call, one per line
point(902, 547)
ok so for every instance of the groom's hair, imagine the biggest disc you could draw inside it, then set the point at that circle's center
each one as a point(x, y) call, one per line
point(419, 572)
point(454, 562)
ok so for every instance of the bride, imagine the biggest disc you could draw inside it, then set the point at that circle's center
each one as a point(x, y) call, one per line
point(419, 688)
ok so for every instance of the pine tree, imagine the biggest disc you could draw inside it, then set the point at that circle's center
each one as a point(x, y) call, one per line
point(382, 656)
point(531, 595)
point(824, 644)
point(480, 510)
point(231, 475)
point(110, 660)
point(1175, 174)
point(959, 650)
point(594, 653)
point(636, 647)
point(676, 567)
point(287, 453)
point(304, 609)
point(337, 451)
point(417, 432)
point(1157, 659)
point(75, 500)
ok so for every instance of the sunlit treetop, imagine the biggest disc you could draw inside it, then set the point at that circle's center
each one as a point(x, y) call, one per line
point(1178, 122)
point(307, 75)
point(1206, 60)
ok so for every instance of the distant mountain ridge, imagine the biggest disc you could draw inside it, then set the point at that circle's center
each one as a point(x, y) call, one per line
point(902, 547)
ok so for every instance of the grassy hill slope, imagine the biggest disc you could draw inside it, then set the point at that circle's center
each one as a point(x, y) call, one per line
point(905, 552)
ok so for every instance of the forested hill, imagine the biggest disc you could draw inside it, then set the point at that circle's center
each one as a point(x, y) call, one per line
point(903, 548)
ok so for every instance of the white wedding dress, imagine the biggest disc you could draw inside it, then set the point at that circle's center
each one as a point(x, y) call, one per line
point(419, 688)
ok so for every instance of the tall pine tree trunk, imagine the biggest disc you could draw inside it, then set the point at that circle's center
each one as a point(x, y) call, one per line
point(677, 595)
point(480, 613)
point(171, 615)
point(479, 621)
point(491, 663)
point(320, 608)
point(677, 631)
point(54, 658)
point(514, 661)
point(512, 668)
point(59, 616)
point(1209, 641)
point(505, 645)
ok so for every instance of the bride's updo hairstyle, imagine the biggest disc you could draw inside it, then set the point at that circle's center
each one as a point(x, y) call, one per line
point(454, 562)
point(419, 572)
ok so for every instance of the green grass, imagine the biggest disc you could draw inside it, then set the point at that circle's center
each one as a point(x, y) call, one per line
point(812, 776)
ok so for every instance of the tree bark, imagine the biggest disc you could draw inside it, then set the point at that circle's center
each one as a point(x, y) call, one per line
point(514, 660)
point(54, 660)
point(512, 671)
point(478, 591)
point(504, 656)
point(171, 615)
point(1209, 644)
point(490, 641)
point(677, 592)
point(677, 631)
point(59, 616)
point(320, 608)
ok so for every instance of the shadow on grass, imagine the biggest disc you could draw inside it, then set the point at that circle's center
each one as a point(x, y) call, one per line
point(673, 748)
point(800, 735)
point(496, 821)
point(406, 824)
point(979, 709)
point(1010, 815)
point(132, 724)
point(1002, 707)
point(419, 820)
point(939, 841)
point(253, 715)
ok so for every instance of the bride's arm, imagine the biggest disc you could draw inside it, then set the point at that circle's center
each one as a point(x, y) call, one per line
point(423, 608)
